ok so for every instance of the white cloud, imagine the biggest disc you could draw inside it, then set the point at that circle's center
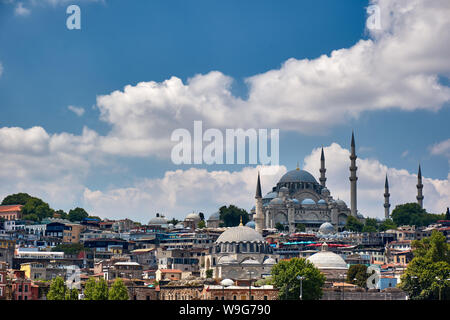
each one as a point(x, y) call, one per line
point(398, 68)
point(79, 111)
point(441, 148)
point(179, 193)
point(20, 10)
point(371, 174)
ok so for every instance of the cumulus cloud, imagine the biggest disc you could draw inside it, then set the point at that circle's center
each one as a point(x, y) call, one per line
point(53, 167)
point(441, 148)
point(371, 174)
point(20, 10)
point(399, 67)
point(79, 111)
point(179, 193)
point(182, 191)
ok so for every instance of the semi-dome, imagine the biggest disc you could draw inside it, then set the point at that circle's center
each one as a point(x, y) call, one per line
point(327, 260)
point(295, 201)
point(340, 202)
point(226, 282)
point(250, 261)
point(297, 176)
point(308, 201)
point(251, 224)
point(276, 201)
point(240, 234)
point(321, 201)
point(271, 195)
point(326, 228)
point(214, 217)
point(269, 261)
point(284, 189)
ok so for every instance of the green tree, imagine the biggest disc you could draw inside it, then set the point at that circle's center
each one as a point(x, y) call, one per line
point(209, 273)
point(284, 277)
point(202, 224)
point(358, 272)
point(413, 214)
point(387, 224)
point(370, 225)
point(89, 289)
point(72, 294)
point(353, 224)
point(174, 221)
point(300, 227)
point(57, 289)
point(62, 214)
point(231, 216)
point(70, 248)
point(426, 275)
point(18, 198)
point(77, 214)
point(118, 291)
point(202, 216)
point(101, 290)
point(279, 226)
point(35, 207)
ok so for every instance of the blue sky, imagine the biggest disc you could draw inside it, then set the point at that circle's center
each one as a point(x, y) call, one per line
point(47, 68)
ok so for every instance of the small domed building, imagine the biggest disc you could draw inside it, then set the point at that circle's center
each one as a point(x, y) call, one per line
point(332, 265)
point(213, 220)
point(326, 228)
point(159, 221)
point(237, 251)
point(192, 220)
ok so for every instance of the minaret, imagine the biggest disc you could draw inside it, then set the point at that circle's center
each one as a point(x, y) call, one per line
point(353, 178)
point(322, 170)
point(259, 216)
point(419, 188)
point(387, 205)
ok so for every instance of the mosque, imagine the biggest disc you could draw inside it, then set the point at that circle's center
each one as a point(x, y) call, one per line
point(299, 199)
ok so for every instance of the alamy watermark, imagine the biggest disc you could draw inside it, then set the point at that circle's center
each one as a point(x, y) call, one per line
point(231, 148)
point(374, 278)
point(74, 20)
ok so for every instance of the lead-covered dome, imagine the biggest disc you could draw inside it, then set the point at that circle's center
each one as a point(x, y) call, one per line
point(214, 217)
point(298, 176)
point(327, 260)
point(240, 234)
point(326, 228)
point(308, 201)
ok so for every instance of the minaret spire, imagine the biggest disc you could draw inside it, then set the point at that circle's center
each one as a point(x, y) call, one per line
point(259, 215)
point(353, 177)
point(387, 205)
point(419, 188)
point(322, 179)
point(258, 188)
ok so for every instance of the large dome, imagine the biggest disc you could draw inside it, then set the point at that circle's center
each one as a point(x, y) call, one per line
point(240, 234)
point(327, 260)
point(298, 176)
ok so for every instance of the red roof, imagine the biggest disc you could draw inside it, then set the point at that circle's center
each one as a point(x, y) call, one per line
point(11, 208)
point(170, 271)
